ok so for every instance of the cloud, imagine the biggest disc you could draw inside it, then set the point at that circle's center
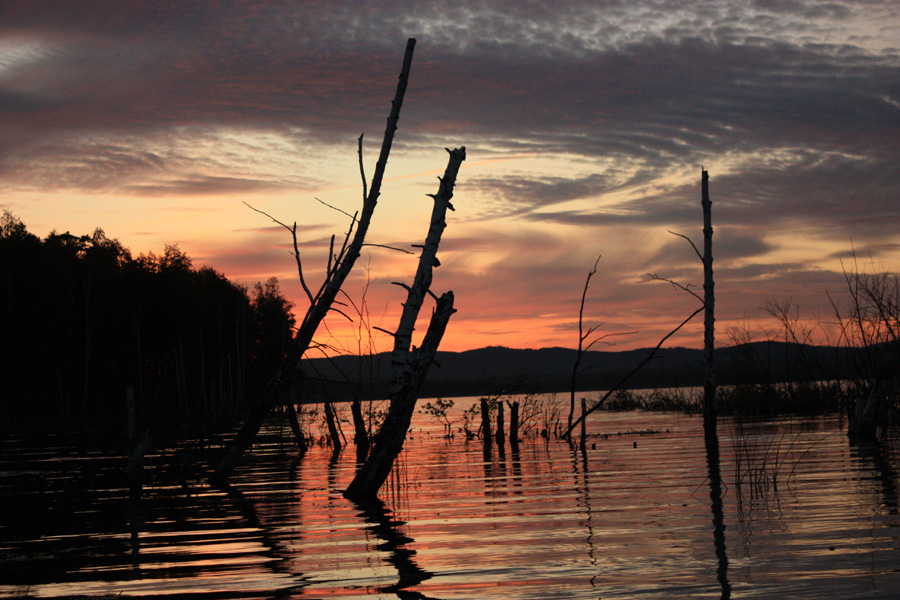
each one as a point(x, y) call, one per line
point(609, 109)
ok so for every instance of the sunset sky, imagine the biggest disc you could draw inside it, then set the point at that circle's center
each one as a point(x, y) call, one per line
point(586, 126)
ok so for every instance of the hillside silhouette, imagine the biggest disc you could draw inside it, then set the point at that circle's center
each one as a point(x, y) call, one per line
point(498, 369)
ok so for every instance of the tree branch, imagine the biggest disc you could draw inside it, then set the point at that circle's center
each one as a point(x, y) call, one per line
point(293, 231)
point(362, 168)
point(677, 285)
point(690, 241)
point(640, 366)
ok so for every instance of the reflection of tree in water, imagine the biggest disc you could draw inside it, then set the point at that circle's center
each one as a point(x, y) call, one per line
point(881, 456)
point(379, 520)
point(275, 548)
point(715, 496)
point(584, 490)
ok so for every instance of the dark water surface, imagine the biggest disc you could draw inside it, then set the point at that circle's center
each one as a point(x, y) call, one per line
point(799, 513)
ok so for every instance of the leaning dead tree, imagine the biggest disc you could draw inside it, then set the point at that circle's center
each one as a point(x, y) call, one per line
point(409, 365)
point(340, 264)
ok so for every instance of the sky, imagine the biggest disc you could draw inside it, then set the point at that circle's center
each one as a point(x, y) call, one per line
point(586, 125)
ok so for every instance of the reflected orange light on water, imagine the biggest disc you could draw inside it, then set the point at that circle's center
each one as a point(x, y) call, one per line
point(627, 516)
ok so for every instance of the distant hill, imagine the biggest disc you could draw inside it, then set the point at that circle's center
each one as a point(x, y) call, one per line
point(498, 369)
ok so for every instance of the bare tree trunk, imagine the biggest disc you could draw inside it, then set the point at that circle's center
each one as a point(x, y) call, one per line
point(87, 341)
point(409, 368)
point(332, 427)
point(501, 436)
point(294, 422)
point(709, 302)
point(864, 413)
point(390, 438)
point(485, 422)
point(139, 443)
point(514, 423)
point(360, 435)
point(289, 371)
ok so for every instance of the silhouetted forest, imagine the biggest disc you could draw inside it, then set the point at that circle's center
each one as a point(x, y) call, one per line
point(84, 320)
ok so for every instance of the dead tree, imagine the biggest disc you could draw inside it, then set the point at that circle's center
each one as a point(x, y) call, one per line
point(339, 267)
point(486, 437)
point(628, 375)
point(707, 305)
point(513, 423)
point(360, 434)
point(410, 366)
point(709, 316)
point(870, 326)
point(583, 336)
point(333, 433)
point(708, 302)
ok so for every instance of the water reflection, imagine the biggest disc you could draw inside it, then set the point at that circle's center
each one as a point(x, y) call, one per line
point(380, 522)
point(764, 456)
point(876, 454)
point(623, 519)
point(715, 496)
point(584, 488)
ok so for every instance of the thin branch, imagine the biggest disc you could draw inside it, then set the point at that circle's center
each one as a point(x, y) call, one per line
point(300, 265)
point(604, 336)
point(677, 285)
point(353, 220)
point(343, 212)
point(342, 313)
point(362, 169)
point(293, 231)
point(330, 257)
point(340, 256)
point(262, 212)
point(640, 366)
point(390, 248)
point(690, 241)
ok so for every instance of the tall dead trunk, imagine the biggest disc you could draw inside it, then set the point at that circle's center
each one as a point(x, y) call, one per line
point(485, 422)
point(863, 416)
point(294, 422)
point(514, 424)
point(360, 434)
point(709, 303)
point(332, 427)
point(289, 372)
point(409, 368)
point(139, 443)
point(501, 435)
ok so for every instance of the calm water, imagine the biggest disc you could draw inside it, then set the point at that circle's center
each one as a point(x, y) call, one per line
point(799, 513)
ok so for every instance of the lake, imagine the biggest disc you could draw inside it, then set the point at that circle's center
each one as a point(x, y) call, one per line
point(798, 512)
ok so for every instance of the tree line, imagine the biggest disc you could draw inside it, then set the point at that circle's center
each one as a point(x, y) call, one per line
point(84, 320)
